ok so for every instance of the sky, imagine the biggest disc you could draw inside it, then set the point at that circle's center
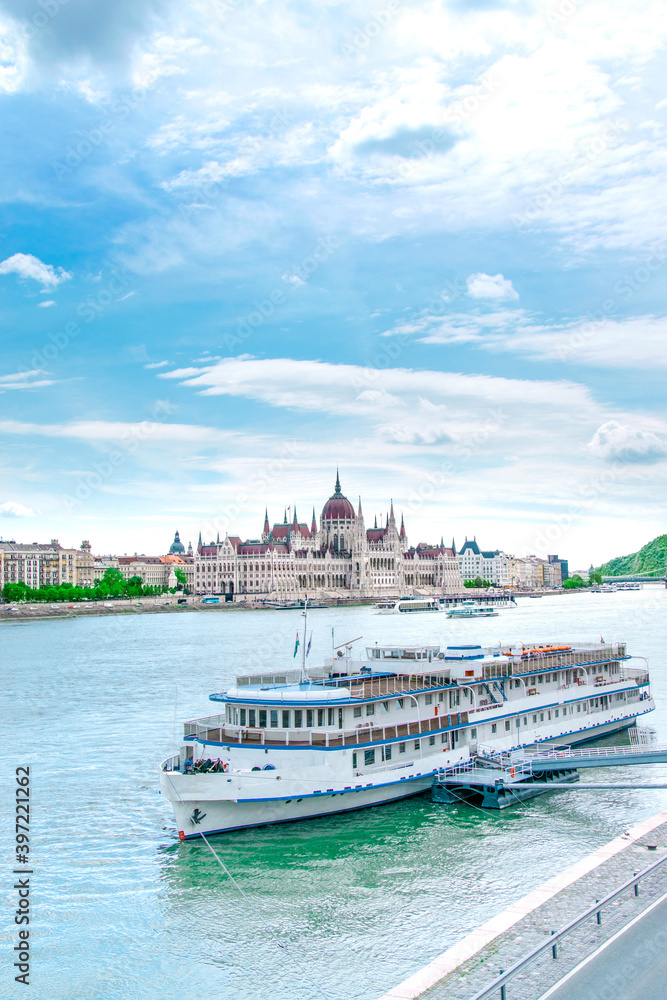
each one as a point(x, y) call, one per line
point(246, 242)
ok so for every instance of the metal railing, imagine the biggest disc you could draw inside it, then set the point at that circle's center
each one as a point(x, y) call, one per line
point(500, 983)
point(568, 754)
point(214, 730)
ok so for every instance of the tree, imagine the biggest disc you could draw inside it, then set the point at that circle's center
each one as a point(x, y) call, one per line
point(182, 579)
point(595, 576)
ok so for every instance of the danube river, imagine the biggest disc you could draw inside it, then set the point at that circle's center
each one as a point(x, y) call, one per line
point(121, 909)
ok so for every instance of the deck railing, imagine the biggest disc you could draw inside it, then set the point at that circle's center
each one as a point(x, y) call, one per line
point(213, 730)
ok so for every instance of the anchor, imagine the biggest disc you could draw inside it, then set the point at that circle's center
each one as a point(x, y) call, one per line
point(197, 816)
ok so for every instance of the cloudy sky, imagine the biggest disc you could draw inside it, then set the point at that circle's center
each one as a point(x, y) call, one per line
point(246, 241)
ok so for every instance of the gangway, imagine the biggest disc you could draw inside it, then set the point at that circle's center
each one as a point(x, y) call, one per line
point(496, 779)
point(555, 758)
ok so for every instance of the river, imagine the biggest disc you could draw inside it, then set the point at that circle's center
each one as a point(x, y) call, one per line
point(121, 909)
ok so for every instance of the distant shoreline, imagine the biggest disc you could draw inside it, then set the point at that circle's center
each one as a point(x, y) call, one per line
point(90, 609)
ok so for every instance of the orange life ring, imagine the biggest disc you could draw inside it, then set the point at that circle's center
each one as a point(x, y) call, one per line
point(512, 772)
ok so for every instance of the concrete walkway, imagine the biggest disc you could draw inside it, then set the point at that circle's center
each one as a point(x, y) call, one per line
point(470, 965)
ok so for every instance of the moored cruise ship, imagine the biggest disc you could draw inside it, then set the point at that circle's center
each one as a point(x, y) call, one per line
point(361, 732)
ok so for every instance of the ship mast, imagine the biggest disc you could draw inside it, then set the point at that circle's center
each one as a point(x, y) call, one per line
point(304, 676)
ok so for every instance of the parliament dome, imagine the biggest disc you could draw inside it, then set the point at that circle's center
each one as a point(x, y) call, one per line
point(338, 507)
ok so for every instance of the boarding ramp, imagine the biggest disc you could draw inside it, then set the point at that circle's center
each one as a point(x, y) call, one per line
point(544, 760)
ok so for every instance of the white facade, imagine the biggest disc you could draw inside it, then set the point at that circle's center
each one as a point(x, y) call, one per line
point(341, 557)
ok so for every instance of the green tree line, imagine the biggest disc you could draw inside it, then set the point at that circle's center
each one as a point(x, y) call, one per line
point(112, 584)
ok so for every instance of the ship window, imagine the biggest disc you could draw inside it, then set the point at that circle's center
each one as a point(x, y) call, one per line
point(236, 716)
point(534, 719)
point(494, 727)
point(298, 719)
point(556, 713)
point(518, 723)
point(473, 734)
point(320, 716)
point(354, 761)
point(369, 757)
point(541, 716)
point(539, 679)
point(428, 699)
point(385, 705)
point(252, 715)
point(285, 720)
point(401, 747)
point(579, 707)
point(507, 725)
point(431, 740)
point(387, 753)
point(357, 711)
point(262, 718)
point(274, 718)
point(399, 703)
point(443, 738)
point(441, 696)
point(416, 744)
point(330, 716)
point(243, 716)
point(370, 709)
point(310, 718)
point(525, 720)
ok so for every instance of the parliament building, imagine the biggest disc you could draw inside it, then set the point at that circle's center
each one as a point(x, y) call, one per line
point(341, 558)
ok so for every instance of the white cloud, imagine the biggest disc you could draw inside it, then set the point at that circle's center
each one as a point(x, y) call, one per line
point(636, 342)
point(13, 509)
point(618, 442)
point(487, 286)
point(156, 364)
point(28, 266)
point(24, 380)
point(46, 304)
point(102, 430)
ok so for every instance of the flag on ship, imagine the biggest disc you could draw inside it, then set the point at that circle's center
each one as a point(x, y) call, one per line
point(296, 644)
point(309, 642)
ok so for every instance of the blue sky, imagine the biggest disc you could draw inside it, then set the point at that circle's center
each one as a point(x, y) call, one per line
point(244, 242)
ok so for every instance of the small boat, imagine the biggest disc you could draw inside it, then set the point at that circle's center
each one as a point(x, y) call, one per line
point(407, 605)
point(476, 612)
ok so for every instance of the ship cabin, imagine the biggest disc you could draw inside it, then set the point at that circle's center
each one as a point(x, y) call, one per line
point(404, 702)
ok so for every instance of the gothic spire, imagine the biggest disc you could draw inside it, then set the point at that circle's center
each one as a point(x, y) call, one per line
point(337, 481)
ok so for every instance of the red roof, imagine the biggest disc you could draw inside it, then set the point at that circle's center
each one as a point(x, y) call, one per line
point(375, 534)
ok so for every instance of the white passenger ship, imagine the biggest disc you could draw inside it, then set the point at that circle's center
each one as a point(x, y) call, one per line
point(406, 605)
point(362, 732)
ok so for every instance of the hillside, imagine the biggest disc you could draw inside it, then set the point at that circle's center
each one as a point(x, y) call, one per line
point(651, 560)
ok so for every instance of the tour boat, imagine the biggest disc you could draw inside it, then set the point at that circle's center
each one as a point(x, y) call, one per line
point(407, 605)
point(472, 611)
point(359, 732)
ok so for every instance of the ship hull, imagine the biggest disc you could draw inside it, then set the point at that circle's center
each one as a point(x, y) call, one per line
point(188, 793)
